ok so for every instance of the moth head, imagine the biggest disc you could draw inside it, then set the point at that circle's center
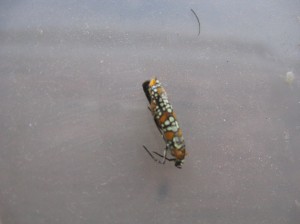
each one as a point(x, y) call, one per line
point(179, 163)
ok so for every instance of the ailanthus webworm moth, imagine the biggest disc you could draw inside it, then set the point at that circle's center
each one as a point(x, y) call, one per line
point(166, 122)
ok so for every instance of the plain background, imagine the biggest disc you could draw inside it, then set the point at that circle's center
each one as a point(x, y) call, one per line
point(73, 115)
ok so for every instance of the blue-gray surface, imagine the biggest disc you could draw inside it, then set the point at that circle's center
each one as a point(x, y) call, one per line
point(73, 116)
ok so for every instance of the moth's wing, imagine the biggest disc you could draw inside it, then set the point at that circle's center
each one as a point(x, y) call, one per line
point(158, 127)
point(146, 90)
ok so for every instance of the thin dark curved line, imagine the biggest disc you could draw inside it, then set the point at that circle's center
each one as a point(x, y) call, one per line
point(173, 159)
point(197, 20)
point(150, 154)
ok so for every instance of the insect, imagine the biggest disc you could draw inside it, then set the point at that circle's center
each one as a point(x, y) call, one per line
point(166, 122)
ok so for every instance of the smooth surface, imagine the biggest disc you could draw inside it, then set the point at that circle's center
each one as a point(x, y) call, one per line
point(73, 115)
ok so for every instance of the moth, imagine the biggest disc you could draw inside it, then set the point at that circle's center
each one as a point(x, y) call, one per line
point(166, 122)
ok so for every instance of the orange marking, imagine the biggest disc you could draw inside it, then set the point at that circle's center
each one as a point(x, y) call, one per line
point(178, 153)
point(174, 115)
point(179, 133)
point(169, 135)
point(163, 117)
point(152, 82)
point(160, 90)
point(152, 106)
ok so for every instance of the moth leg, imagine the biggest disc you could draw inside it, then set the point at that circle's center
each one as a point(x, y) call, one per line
point(150, 154)
point(163, 156)
point(173, 159)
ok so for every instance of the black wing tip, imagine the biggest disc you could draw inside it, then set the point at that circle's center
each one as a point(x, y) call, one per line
point(146, 84)
point(145, 88)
